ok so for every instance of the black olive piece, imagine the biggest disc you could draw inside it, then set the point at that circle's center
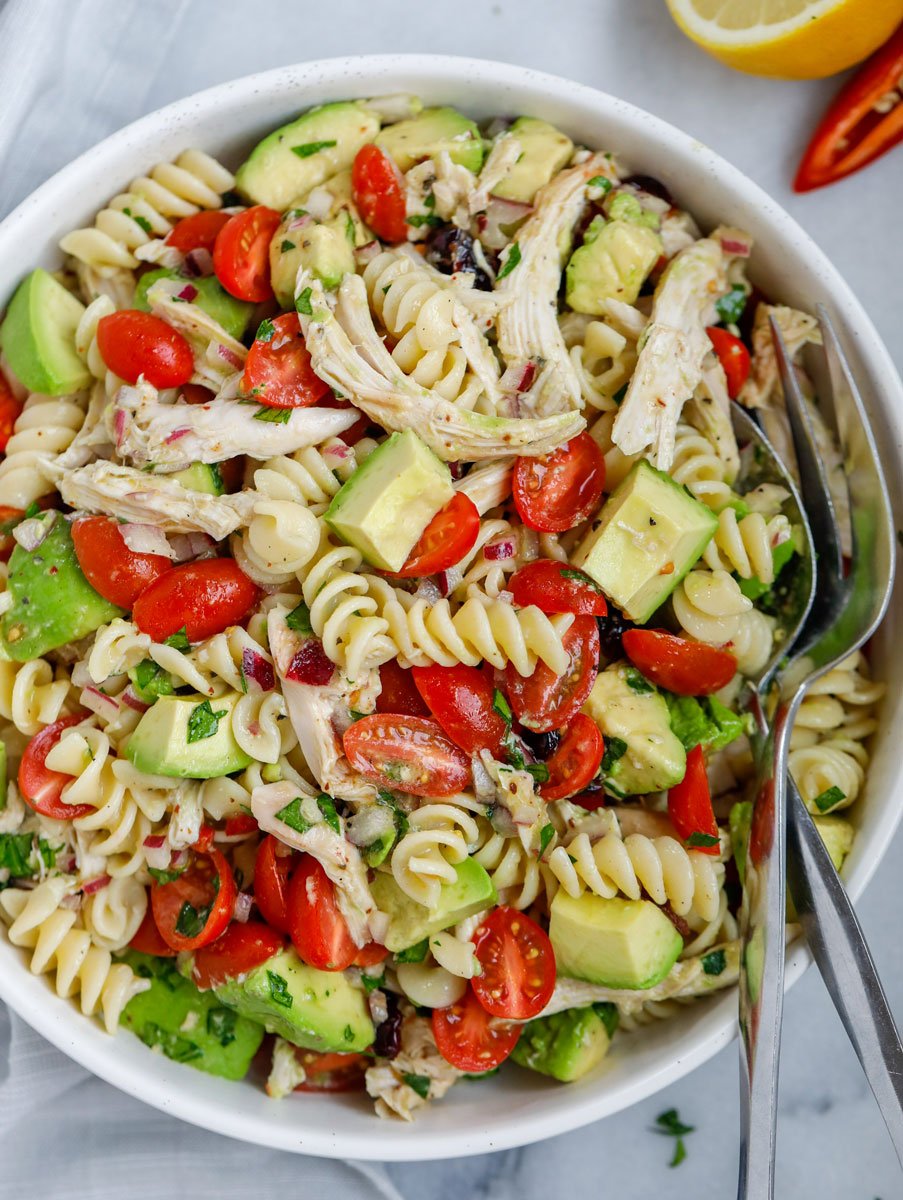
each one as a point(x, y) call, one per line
point(648, 183)
point(612, 628)
point(450, 249)
point(543, 745)
point(387, 1043)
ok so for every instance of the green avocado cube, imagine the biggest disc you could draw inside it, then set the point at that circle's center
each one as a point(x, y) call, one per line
point(644, 540)
point(837, 834)
point(232, 314)
point(567, 1045)
point(187, 1025)
point(53, 603)
point(614, 943)
point(544, 150)
point(319, 1010)
point(390, 499)
point(612, 264)
point(410, 922)
point(188, 737)
point(428, 134)
point(38, 336)
point(325, 248)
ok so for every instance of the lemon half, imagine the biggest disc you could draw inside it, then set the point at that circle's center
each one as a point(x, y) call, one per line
point(796, 39)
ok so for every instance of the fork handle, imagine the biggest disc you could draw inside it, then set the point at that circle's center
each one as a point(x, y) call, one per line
point(839, 948)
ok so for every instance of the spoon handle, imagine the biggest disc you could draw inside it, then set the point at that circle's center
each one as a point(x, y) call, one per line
point(839, 948)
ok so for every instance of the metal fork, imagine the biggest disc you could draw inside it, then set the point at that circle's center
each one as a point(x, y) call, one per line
point(849, 606)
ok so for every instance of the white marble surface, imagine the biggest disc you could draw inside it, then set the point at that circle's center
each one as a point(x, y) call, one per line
point(832, 1142)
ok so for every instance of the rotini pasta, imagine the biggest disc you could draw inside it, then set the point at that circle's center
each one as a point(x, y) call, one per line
point(44, 429)
point(710, 607)
point(30, 695)
point(746, 545)
point(515, 873)
point(439, 837)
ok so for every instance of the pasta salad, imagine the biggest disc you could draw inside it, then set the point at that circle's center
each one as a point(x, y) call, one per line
point(381, 573)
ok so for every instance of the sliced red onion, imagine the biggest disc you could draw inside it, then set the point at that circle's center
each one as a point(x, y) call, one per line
point(735, 246)
point(130, 700)
point(199, 262)
point(98, 702)
point(189, 292)
point(145, 539)
point(366, 253)
point(498, 551)
point(228, 355)
point(443, 582)
point(500, 220)
point(319, 203)
point(158, 857)
point(506, 597)
point(311, 665)
point(154, 841)
point(518, 379)
point(179, 860)
point(190, 545)
point(73, 902)
point(369, 825)
point(119, 420)
point(94, 885)
point(297, 223)
point(242, 909)
point(429, 591)
point(177, 434)
point(31, 532)
point(258, 669)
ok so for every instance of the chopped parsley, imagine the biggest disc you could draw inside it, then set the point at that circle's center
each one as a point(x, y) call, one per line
point(702, 839)
point(418, 1083)
point(191, 921)
point(730, 306)
point(299, 619)
point(539, 771)
point(636, 681)
point(179, 640)
point(303, 304)
point(545, 836)
point(203, 722)
point(670, 1125)
point(829, 799)
point(141, 222)
point(279, 992)
point(266, 331)
point(418, 220)
point(326, 805)
point(615, 748)
point(501, 706)
point(276, 416)
point(348, 1033)
point(310, 148)
point(714, 962)
point(293, 817)
point(286, 246)
point(511, 260)
point(151, 680)
point(221, 1025)
point(415, 953)
point(23, 854)
point(580, 577)
point(371, 982)
point(166, 876)
point(179, 1049)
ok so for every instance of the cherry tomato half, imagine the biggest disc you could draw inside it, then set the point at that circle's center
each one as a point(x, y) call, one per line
point(278, 371)
point(447, 538)
point(468, 1037)
point(272, 870)
point(545, 701)
point(240, 949)
point(733, 356)
point(557, 491)
point(518, 965)
point(398, 691)
point(194, 909)
point(42, 788)
point(690, 806)
point(678, 665)
point(119, 574)
point(147, 939)
point(203, 598)
point(461, 699)
point(318, 930)
point(241, 253)
point(576, 760)
point(134, 343)
point(377, 186)
point(10, 408)
point(556, 587)
point(407, 754)
point(332, 1072)
point(197, 232)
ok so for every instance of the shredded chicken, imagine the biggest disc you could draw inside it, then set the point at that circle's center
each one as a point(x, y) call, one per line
point(488, 485)
point(286, 1072)
point(678, 230)
point(173, 436)
point(419, 1058)
point(502, 157)
point(448, 183)
point(515, 792)
point(528, 329)
point(673, 349)
point(348, 353)
point(710, 411)
point(217, 354)
point(93, 439)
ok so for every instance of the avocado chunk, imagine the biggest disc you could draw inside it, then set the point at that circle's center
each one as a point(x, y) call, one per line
point(567, 1045)
point(612, 264)
point(614, 943)
point(325, 248)
point(53, 603)
point(837, 834)
point(233, 315)
point(431, 132)
point(410, 922)
point(188, 737)
point(298, 156)
point(187, 1025)
point(544, 150)
point(202, 477)
point(643, 753)
point(644, 540)
point(38, 336)
point(390, 499)
point(319, 1010)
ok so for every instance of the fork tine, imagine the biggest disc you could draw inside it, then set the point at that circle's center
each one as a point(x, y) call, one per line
point(813, 477)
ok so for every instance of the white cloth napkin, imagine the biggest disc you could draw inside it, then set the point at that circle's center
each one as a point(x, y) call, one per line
point(71, 71)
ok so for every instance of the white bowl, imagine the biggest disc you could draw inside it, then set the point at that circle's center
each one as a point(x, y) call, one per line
point(516, 1107)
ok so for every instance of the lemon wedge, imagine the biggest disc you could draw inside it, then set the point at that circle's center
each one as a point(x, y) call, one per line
point(795, 39)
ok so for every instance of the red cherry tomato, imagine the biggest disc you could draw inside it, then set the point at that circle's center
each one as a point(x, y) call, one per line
point(370, 955)
point(461, 699)
point(447, 538)
point(9, 411)
point(377, 186)
point(41, 788)
point(557, 491)
point(241, 825)
point(518, 965)
point(576, 760)
point(468, 1037)
point(690, 806)
point(407, 754)
point(678, 665)
point(194, 909)
point(197, 232)
point(239, 950)
point(278, 371)
point(399, 692)
point(241, 253)
point(733, 356)
point(202, 597)
point(272, 871)
point(147, 939)
point(545, 701)
point(332, 1072)
point(318, 930)
point(134, 343)
point(196, 393)
point(556, 587)
point(111, 568)
point(9, 519)
point(590, 800)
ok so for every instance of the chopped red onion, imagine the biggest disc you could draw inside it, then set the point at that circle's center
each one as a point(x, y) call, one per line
point(502, 216)
point(242, 909)
point(258, 669)
point(145, 539)
point(189, 292)
point(228, 355)
point(199, 262)
point(735, 246)
point(366, 253)
point(31, 532)
point(190, 545)
point(176, 434)
point(119, 425)
point(154, 841)
point(456, 470)
point(498, 551)
point(297, 223)
point(506, 598)
point(429, 591)
point(98, 702)
point(518, 378)
point(319, 203)
point(158, 857)
point(443, 582)
point(130, 700)
point(311, 665)
point(179, 860)
point(94, 885)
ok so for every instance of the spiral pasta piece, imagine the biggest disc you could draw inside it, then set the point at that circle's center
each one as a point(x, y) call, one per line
point(438, 838)
point(514, 872)
point(45, 428)
point(602, 357)
point(149, 208)
point(61, 946)
point(745, 545)
point(86, 343)
point(710, 607)
point(700, 468)
point(30, 696)
point(113, 913)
